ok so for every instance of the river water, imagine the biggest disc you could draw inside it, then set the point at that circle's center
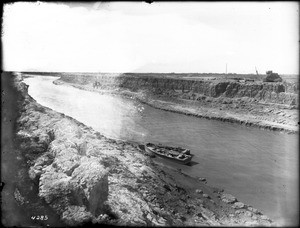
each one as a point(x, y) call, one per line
point(259, 167)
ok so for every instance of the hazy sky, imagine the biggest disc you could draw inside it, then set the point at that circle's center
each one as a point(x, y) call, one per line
point(157, 37)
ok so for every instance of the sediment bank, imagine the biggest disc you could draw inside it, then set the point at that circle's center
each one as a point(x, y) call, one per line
point(272, 106)
point(85, 177)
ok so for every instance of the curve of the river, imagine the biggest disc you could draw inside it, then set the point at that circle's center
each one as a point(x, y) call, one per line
point(259, 167)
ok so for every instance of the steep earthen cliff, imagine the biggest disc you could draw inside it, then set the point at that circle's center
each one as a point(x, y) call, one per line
point(278, 93)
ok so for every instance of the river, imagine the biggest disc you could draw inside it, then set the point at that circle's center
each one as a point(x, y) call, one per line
point(259, 167)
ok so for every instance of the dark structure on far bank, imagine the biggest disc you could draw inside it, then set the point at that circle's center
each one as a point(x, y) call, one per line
point(272, 77)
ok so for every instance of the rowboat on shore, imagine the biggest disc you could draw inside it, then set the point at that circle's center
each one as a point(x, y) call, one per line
point(176, 154)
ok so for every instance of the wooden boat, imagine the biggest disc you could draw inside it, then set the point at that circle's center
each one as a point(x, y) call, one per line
point(176, 154)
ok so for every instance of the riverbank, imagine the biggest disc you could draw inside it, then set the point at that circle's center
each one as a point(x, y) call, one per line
point(248, 111)
point(85, 177)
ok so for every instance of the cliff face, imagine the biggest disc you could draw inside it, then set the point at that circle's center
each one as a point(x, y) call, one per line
point(278, 93)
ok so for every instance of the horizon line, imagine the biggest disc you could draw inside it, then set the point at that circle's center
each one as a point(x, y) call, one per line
point(99, 72)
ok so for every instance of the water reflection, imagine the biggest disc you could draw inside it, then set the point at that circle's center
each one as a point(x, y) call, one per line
point(107, 114)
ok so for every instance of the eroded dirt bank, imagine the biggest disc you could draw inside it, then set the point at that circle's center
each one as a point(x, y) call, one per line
point(85, 177)
point(272, 106)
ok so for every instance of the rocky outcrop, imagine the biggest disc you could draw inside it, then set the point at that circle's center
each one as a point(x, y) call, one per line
point(52, 147)
point(227, 198)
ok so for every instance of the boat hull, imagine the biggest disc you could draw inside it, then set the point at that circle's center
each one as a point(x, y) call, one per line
point(184, 162)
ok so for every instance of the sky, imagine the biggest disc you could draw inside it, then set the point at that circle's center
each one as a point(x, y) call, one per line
point(198, 37)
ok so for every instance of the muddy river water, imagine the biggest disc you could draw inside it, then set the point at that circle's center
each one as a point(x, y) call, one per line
point(259, 167)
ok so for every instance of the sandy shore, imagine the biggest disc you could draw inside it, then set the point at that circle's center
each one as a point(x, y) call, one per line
point(82, 177)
